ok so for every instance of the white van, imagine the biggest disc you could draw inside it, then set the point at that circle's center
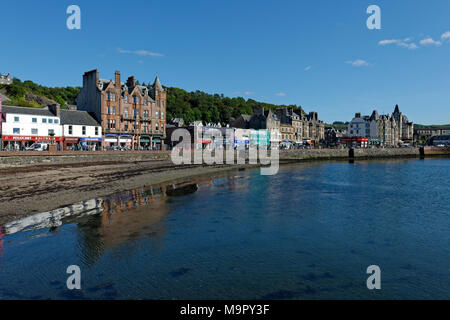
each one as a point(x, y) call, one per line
point(38, 147)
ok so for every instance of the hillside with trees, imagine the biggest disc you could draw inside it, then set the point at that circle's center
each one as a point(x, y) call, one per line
point(191, 106)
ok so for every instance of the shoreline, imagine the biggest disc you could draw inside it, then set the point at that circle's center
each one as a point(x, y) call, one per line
point(31, 189)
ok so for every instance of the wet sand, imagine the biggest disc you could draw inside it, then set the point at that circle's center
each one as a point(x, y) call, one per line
point(39, 188)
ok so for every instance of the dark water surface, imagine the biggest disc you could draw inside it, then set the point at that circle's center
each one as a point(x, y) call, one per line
point(308, 232)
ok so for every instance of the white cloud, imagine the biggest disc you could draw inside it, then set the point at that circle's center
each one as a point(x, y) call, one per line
point(358, 63)
point(405, 43)
point(308, 68)
point(246, 93)
point(429, 42)
point(141, 52)
point(387, 42)
point(281, 94)
point(445, 35)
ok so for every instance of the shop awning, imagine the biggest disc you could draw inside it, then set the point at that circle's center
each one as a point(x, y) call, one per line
point(145, 140)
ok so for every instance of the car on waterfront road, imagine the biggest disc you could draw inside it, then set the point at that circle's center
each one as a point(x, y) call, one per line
point(37, 147)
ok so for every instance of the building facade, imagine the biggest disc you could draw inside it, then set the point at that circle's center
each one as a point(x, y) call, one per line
point(131, 115)
point(383, 130)
point(80, 131)
point(22, 126)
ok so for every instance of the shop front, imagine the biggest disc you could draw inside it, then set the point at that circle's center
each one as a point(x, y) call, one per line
point(156, 142)
point(144, 142)
point(22, 142)
point(356, 142)
point(92, 144)
point(71, 143)
point(126, 141)
point(111, 140)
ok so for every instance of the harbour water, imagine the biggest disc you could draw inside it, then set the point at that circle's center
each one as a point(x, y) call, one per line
point(309, 232)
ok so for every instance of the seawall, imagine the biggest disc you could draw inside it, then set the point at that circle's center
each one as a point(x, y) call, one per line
point(24, 158)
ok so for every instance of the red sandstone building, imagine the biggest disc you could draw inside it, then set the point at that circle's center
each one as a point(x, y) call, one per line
point(131, 115)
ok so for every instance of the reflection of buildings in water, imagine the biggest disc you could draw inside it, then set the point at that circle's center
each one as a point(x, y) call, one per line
point(125, 218)
point(54, 218)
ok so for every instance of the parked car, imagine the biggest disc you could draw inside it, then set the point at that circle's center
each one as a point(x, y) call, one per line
point(37, 147)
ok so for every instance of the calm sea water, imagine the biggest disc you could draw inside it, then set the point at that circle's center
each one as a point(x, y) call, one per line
point(309, 232)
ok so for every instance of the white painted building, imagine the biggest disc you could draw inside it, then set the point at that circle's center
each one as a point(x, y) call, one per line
point(359, 126)
point(80, 130)
point(22, 126)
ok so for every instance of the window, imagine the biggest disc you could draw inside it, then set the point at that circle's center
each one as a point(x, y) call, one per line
point(157, 114)
point(50, 120)
point(16, 130)
point(125, 99)
point(96, 131)
point(157, 127)
point(162, 104)
point(34, 120)
point(111, 97)
point(162, 115)
point(70, 129)
point(83, 129)
point(16, 119)
point(126, 112)
point(44, 120)
point(56, 121)
point(34, 131)
point(135, 100)
point(111, 124)
point(51, 131)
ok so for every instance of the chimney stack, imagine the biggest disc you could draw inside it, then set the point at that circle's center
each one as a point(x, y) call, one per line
point(131, 82)
point(55, 109)
point(117, 79)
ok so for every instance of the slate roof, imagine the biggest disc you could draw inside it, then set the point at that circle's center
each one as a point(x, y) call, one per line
point(29, 111)
point(77, 117)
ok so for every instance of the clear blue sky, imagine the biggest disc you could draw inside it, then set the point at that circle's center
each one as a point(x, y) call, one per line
point(318, 54)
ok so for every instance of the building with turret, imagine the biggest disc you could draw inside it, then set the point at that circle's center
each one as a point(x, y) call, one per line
point(132, 115)
point(384, 130)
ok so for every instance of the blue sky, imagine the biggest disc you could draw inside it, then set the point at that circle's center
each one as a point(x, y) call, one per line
point(318, 54)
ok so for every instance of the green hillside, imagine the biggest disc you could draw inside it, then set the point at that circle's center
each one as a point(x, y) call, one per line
point(190, 106)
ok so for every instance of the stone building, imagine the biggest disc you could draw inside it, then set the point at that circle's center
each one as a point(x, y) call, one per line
point(384, 130)
point(332, 136)
point(291, 124)
point(5, 79)
point(313, 128)
point(268, 120)
point(131, 115)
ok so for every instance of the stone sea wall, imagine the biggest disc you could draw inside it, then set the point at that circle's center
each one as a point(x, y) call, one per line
point(11, 159)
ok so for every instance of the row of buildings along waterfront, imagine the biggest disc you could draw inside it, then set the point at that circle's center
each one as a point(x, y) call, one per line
point(109, 113)
point(287, 126)
point(21, 127)
point(380, 130)
point(284, 127)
